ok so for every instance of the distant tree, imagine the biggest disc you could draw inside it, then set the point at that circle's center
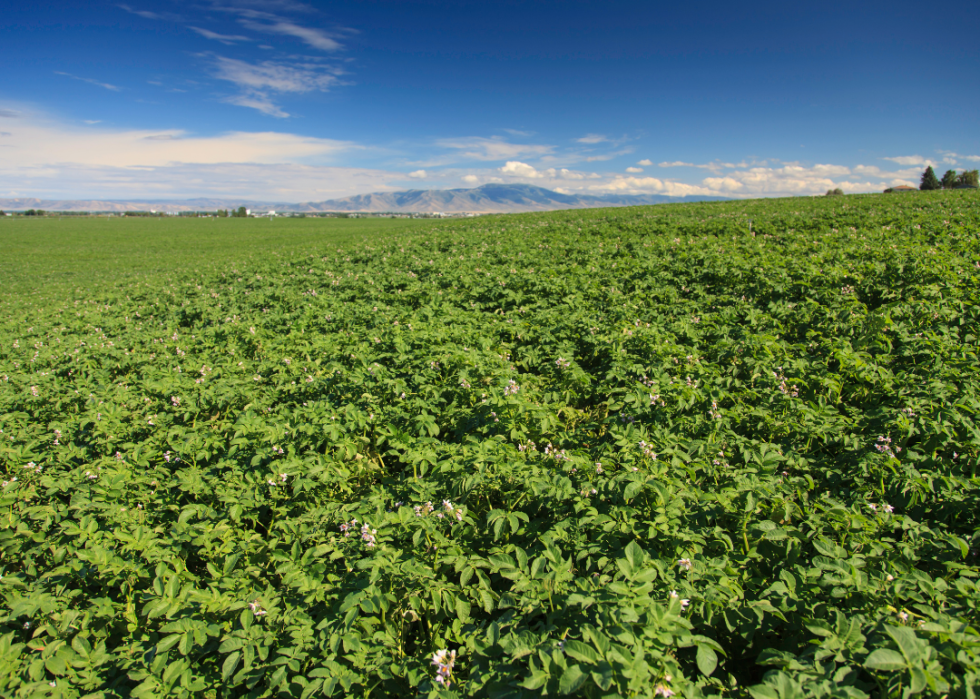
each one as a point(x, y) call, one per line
point(949, 179)
point(929, 180)
point(838, 192)
point(240, 212)
point(970, 178)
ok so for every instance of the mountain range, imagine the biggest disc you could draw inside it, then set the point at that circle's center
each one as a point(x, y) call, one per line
point(489, 198)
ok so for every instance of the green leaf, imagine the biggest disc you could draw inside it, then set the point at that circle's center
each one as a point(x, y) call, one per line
point(707, 659)
point(885, 659)
point(581, 651)
point(571, 680)
point(229, 665)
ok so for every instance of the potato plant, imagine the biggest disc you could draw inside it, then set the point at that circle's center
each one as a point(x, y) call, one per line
point(708, 450)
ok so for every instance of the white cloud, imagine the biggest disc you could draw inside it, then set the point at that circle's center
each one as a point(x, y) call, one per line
point(592, 138)
point(520, 169)
point(971, 158)
point(418, 175)
point(676, 163)
point(645, 161)
point(315, 38)
point(228, 40)
point(647, 185)
point(259, 102)
point(912, 160)
point(49, 159)
point(40, 143)
point(271, 75)
point(723, 184)
point(477, 148)
point(515, 132)
point(471, 179)
point(90, 81)
point(257, 79)
point(634, 169)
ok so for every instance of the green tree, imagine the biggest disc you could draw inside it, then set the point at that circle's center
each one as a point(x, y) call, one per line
point(949, 179)
point(969, 178)
point(929, 180)
point(838, 192)
point(240, 212)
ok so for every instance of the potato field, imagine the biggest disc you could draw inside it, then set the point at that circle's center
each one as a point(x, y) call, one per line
point(703, 450)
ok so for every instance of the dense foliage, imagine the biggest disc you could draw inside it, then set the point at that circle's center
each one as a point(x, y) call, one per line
point(706, 450)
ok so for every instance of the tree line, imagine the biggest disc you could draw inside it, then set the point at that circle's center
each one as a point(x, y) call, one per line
point(951, 180)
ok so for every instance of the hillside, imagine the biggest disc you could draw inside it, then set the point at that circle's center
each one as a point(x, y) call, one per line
point(490, 198)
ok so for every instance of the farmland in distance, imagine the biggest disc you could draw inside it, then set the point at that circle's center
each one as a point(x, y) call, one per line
point(722, 449)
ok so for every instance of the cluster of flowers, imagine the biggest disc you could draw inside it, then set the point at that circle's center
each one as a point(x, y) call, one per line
point(91, 476)
point(714, 413)
point(447, 509)
point(884, 446)
point(718, 462)
point(511, 388)
point(34, 391)
point(256, 608)
point(884, 508)
point(562, 363)
point(662, 690)
point(10, 482)
point(792, 391)
point(529, 447)
point(655, 399)
point(464, 383)
point(648, 451)
point(444, 660)
point(367, 534)
point(908, 412)
point(282, 480)
point(627, 418)
point(556, 454)
point(685, 563)
point(175, 401)
point(684, 602)
point(847, 289)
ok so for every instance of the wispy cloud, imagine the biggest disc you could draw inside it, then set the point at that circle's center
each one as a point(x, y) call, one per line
point(146, 14)
point(9, 114)
point(476, 148)
point(912, 160)
point(517, 132)
point(227, 39)
point(592, 138)
point(634, 169)
point(90, 81)
point(315, 38)
point(258, 79)
point(418, 175)
point(645, 161)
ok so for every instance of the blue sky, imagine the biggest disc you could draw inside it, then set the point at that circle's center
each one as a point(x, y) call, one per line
point(289, 101)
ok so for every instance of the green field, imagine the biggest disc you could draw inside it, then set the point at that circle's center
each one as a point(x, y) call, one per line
point(45, 252)
point(705, 450)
